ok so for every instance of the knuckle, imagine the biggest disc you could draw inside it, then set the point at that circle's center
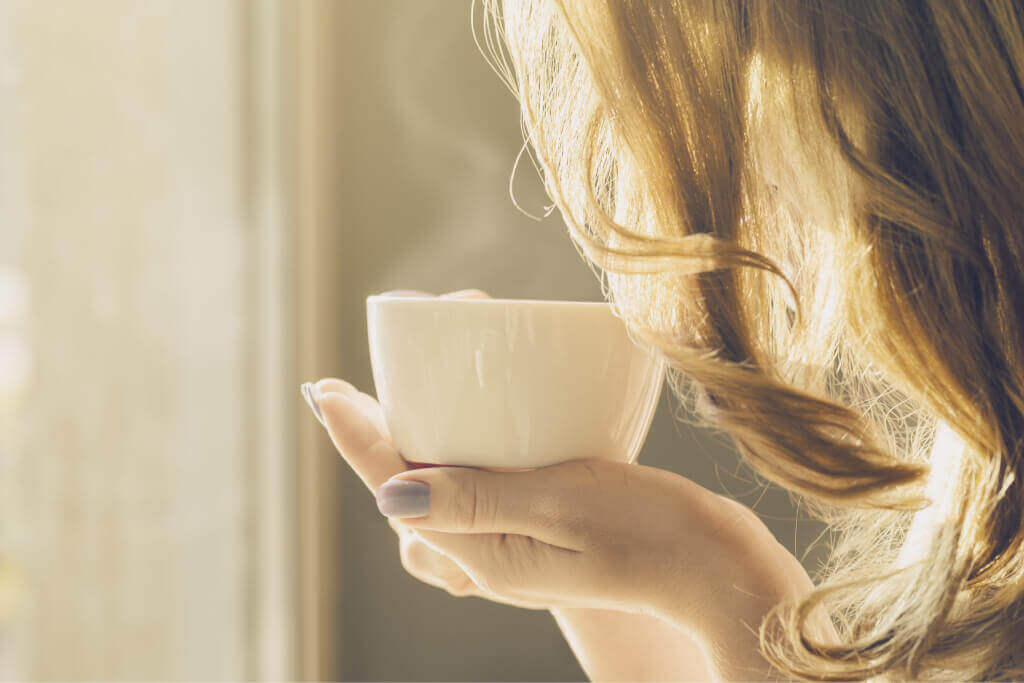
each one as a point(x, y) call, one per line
point(513, 564)
point(492, 574)
point(412, 557)
point(471, 509)
point(423, 563)
point(567, 506)
point(492, 583)
point(590, 469)
point(460, 587)
point(560, 513)
point(463, 505)
point(582, 474)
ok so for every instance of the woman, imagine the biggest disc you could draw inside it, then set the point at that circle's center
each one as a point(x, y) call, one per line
point(813, 209)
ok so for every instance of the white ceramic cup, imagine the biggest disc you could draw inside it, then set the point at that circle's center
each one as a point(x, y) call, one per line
point(507, 383)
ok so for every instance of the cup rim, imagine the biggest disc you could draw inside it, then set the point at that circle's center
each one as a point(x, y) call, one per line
point(381, 298)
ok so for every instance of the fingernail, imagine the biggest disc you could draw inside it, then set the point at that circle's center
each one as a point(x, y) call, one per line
point(311, 394)
point(403, 498)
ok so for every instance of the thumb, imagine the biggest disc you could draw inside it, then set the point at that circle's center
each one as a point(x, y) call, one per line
point(462, 500)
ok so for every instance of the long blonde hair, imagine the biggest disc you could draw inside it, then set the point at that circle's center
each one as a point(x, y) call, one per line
point(814, 210)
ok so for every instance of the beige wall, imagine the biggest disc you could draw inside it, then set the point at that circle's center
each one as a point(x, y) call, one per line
point(427, 139)
point(133, 517)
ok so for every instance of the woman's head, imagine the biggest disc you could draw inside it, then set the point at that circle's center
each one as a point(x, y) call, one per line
point(814, 210)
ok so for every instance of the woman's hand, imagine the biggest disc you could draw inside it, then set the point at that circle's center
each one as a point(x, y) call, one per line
point(367, 426)
point(588, 533)
point(596, 533)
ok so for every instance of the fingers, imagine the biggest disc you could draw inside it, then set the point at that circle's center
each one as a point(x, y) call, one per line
point(460, 500)
point(460, 294)
point(427, 564)
point(509, 568)
point(466, 294)
point(434, 568)
point(365, 447)
point(368, 404)
point(362, 443)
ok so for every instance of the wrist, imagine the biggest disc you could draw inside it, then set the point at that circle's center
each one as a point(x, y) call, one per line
point(728, 626)
point(740, 602)
point(740, 582)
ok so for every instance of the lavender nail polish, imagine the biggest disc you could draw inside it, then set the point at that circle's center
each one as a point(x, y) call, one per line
point(311, 393)
point(404, 498)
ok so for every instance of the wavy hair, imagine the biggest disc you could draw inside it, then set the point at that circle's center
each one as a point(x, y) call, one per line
point(814, 210)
